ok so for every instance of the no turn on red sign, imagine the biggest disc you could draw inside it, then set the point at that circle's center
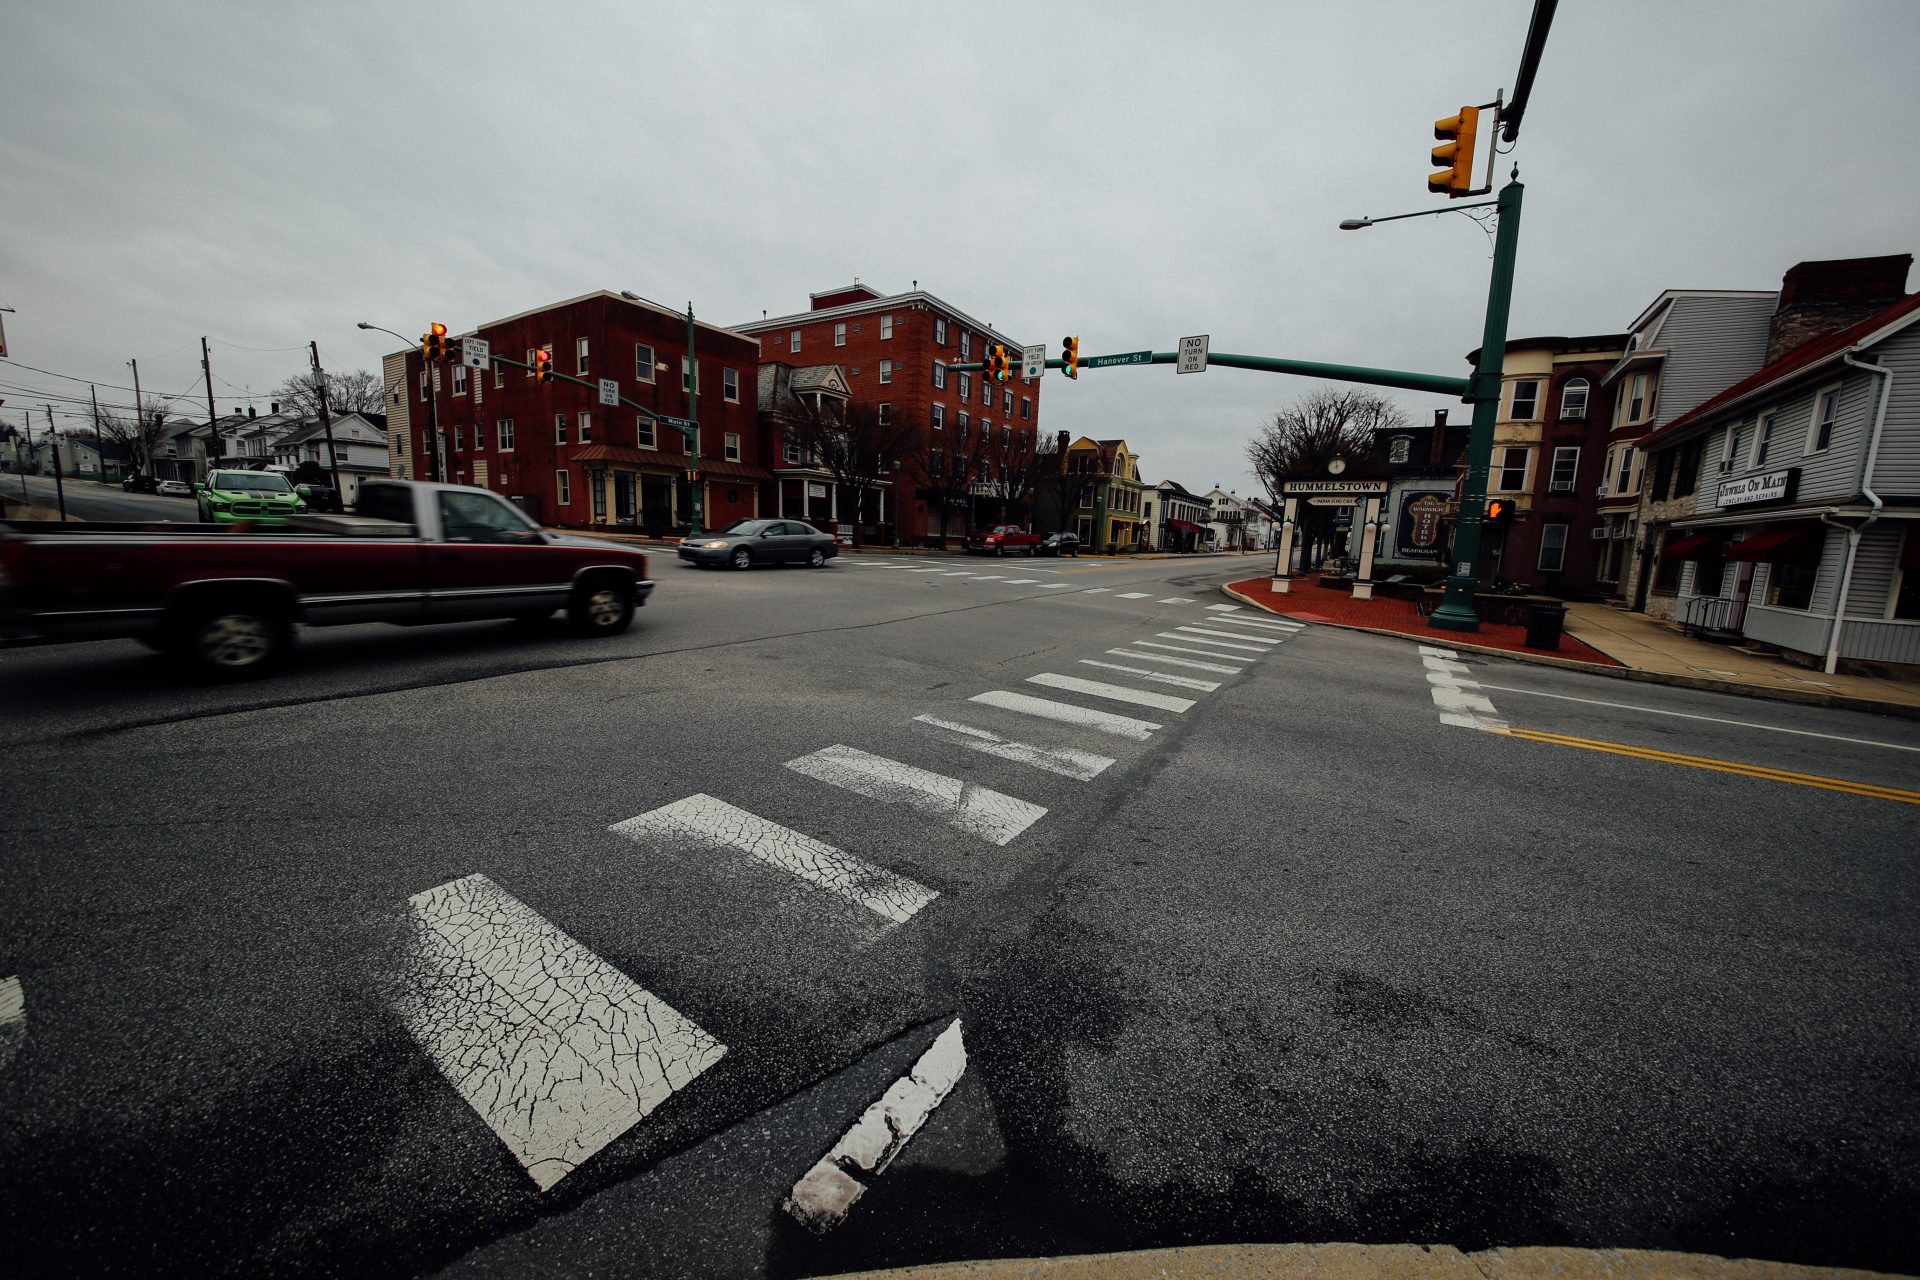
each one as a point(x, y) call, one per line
point(1193, 354)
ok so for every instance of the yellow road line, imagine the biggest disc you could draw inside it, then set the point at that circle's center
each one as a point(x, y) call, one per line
point(1868, 789)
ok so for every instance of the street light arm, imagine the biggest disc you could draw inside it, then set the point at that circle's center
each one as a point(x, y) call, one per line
point(383, 329)
point(1356, 224)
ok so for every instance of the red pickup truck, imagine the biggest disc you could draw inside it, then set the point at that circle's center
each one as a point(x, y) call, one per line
point(1003, 540)
point(225, 599)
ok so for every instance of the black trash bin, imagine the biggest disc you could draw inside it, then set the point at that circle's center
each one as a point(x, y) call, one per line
point(1545, 621)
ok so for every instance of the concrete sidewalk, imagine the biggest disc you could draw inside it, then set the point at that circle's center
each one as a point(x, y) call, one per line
point(1649, 645)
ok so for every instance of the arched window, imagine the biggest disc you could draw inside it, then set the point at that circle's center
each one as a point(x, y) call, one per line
point(1573, 398)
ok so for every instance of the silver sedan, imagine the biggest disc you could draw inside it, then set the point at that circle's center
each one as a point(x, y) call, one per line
point(745, 543)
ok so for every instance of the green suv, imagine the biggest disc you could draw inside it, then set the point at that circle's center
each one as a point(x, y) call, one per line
point(229, 497)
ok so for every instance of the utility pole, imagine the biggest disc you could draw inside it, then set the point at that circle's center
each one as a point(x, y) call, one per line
point(27, 415)
point(436, 447)
point(1455, 612)
point(141, 440)
point(59, 485)
point(697, 516)
point(213, 418)
point(99, 452)
point(326, 419)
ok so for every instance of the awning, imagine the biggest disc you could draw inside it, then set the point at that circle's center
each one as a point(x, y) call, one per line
point(626, 455)
point(1185, 526)
point(1781, 544)
point(1683, 548)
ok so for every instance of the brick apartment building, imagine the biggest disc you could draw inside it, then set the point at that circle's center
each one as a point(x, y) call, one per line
point(569, 460)
point(895, 351)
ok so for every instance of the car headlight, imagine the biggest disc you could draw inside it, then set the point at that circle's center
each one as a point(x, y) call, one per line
point(714, 546)
point(218, 504)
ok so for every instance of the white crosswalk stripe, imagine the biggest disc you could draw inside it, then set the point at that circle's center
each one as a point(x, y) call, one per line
point(1068, 713)
point(1176, 600)
point(1133, 595)
point(1082, 765)
point(709, 823)
point(926, 571)
point(1209, 644)
point(1094, 591)
point(555, 1049)
point(1112, 692)
point(1159, 677)
point(1222, 608)
point(1180, 662)
point(1051, 585)
point(982, 811)
point(992, 577)
point(1021, 582)
point(1229, 635)
point(1187, 648)
point(1264, 624)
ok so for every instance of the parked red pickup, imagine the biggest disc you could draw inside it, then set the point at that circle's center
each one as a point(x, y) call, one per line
point(225, 599)
point(1002, 540)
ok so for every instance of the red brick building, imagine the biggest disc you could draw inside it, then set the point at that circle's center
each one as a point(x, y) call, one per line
point(895, 350)
point(553, 448)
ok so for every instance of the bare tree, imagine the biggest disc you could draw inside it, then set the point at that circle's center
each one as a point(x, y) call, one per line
point(1324, 425)
point(1063, 480)
point(359, 391)
point(140, 433)
point(859, 445)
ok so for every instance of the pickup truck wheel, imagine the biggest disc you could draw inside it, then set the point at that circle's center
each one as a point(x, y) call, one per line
point(816, 558)
point(1000, 553)
point(741, 559)
point(601, 608)
point(231, 639)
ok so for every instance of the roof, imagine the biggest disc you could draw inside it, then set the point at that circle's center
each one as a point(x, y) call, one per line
point(916, 298)
point(1806, 356)
point(313, 427)
point(780, 384)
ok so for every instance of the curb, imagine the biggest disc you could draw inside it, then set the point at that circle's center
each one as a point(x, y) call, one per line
point(1805, 697)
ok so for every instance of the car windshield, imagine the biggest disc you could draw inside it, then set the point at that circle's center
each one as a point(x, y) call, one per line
point(748, 528)
point(251, 481)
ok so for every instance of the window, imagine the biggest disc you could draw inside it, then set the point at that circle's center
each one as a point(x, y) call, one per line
point(966, 386)
point(562, 487)
point(939, 376)
point(499, 375)
point(732, 446)
point(459, 436)
point(1006, 402)
point(986, 393)
point(1623, 479)
point(1006, 436)
point(1026, 408)
point(1566, 466)
point(937, 462)
point(1526, 400)
point(1689, 476)
point(505, 426)
point(790, 451)
point(1905, 604)
point(1762, 440)
point(580, 357)
point(1637, 397)
point(1573, 398)
point(1400, 450)
point(966, 346)
point(531, 353)
point(476, 517)
point(1729, 448)
point(479, 435)
point(1662, 475)
point(886, 372)
point(937, 418)
point(961, 426)
point(886, 328)
point(1511, 475)
point(883, 412)
point(1666, 572)
point(1790, 586)
point(793, 340)
point(730, 385)
point(643, 432)
point(1826, 407)
point(939, 331)
point(643, 361)
point(840, 334)
point(559, 428)
point(586, 427)
point(459, 379)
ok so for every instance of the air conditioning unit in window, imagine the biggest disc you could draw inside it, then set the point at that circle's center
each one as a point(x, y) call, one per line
point(1598, 533)
point(1560, 486)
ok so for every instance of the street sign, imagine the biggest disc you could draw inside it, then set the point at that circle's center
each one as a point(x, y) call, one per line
point(1333, 502)
point(1129, 357)
point(679, 424)
point(1193, 354)
point(610, 392)
point(476, 353)
point(1033, 361)
point(1300, 488)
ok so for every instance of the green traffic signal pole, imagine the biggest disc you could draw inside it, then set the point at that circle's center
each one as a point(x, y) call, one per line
point(697, 516)
point(1455, 612)
point(1411, 381)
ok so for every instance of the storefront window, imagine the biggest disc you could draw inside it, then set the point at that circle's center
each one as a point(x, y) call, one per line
point(1790, 586)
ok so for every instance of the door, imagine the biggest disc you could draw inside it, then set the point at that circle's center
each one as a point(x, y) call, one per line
point(1742, 587)
point(490, 562)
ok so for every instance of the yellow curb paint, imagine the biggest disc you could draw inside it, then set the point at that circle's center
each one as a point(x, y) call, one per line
point(1868, 789)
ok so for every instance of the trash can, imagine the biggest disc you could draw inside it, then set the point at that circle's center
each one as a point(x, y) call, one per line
point(1545, 621)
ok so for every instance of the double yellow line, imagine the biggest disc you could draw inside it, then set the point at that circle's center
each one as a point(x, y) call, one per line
point(1719, 766)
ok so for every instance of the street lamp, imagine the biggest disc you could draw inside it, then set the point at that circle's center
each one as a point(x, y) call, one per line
point(435, 443)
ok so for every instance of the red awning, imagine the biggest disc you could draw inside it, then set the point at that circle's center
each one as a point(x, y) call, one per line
point(1683, 548)
point(1781, 544)
point(1185, 526)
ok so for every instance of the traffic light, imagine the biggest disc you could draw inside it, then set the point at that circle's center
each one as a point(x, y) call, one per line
point(1070, 356)
point(433, 343)
point(1499, 511)
point(1454, 155)
point(543, 366)
point(995, 354)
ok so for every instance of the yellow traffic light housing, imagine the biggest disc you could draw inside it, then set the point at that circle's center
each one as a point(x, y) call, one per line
point(1070, 356)
point(433, 343)
point(1454, 156)
point(543, 366)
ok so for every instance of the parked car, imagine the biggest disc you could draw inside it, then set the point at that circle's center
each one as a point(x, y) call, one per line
point(264, 497)
point(137, 483)
point(225, 603)
point(745, 543)
point(174, 489)
point(1002, 539)
point(1061, 544)
point(319, 497)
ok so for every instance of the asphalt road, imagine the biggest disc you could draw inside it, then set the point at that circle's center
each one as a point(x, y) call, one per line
point(1289, 958)
point(90, 500)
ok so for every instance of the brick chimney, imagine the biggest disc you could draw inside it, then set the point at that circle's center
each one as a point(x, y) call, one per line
point(1818, 298)
point(1437, 440)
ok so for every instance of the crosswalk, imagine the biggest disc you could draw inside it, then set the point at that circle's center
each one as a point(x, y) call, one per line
point(940, 575)
point(560, 1052)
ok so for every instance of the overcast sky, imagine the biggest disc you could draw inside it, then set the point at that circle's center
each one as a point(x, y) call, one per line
point(266, 174)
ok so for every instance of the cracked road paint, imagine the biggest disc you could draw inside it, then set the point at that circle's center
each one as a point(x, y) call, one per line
point(710, 823)
point(1264, 624)
point(1133, 595)
point(1229, 635)
point(1188, 663)
point(1456, 693)
point(13, 1018)
point(1158, 677)
point(555, 1049)
point(1083, 765)
point(1067, 713)
point(1223, 608)
point(984, 812)
point(1209, 646)
point(822, 1197)
point(1112, 692)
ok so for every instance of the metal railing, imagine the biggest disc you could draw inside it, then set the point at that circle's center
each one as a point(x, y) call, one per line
point(1707, 613)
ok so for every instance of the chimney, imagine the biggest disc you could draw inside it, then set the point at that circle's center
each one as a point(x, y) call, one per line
point(1818, 298)
point(1437, 442)
point(275, 408)
point(249, 411)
